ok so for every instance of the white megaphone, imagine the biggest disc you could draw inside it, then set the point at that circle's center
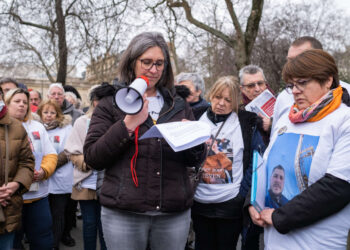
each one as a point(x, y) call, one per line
point(129, 99)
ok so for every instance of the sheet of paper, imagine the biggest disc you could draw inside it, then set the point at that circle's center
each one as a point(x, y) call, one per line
point(258, 191)
point(263, 104)
point(180, 135)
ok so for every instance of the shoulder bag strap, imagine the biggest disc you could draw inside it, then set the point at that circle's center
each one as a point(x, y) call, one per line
point(211, 144)
point(7, 149)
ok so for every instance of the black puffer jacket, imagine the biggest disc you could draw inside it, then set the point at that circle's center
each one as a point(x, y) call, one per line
point(162, 175)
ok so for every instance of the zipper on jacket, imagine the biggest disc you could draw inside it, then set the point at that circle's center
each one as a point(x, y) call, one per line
point(171, 107)
point(161, 174)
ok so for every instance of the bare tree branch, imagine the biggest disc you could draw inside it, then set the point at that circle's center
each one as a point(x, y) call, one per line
point(234, 19)
point(253, 24)
point(19, 19)
point(70, 6)
point(184, 4)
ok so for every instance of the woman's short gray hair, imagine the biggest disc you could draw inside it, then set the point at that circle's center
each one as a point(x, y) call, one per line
point(195, 78)
point(138, 45)
point(72, 95)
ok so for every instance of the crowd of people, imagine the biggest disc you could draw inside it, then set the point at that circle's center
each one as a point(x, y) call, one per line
point(140, 194)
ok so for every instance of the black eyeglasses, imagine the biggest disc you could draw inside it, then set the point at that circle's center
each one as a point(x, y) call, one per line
point(147, 64)
point(299, 84)
point(253, 84)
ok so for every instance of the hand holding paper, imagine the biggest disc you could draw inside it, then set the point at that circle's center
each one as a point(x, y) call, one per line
point(180, 135)
point(263, 104)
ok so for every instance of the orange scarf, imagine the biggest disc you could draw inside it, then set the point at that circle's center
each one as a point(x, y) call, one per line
point(318, 110)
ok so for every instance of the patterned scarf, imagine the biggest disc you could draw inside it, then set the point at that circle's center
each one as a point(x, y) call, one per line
point(321, 108)
point(51, 125)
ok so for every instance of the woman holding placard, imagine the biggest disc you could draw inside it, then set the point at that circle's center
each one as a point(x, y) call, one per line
point(311, 146)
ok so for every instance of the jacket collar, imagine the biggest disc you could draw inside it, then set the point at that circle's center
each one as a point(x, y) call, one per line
point(67, 107)
point(6, 120)
point(215, 118)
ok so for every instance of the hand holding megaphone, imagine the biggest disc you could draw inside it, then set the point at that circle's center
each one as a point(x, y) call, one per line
point(132, 121)
point(130, 98)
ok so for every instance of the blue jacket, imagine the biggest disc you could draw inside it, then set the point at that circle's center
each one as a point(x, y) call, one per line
point(251, 130)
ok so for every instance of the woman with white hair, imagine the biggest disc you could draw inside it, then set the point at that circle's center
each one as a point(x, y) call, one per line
point(195, 83)
point(72, 99)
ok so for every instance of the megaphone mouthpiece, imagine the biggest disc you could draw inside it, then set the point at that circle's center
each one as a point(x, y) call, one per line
point(131, 96)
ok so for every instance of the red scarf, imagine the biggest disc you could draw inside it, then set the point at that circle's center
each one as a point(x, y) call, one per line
point(3, 112)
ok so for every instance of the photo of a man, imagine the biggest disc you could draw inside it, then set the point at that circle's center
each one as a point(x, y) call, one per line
point(274, 197)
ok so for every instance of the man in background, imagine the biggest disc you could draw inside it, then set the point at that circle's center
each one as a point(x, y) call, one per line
point(56, 92)
point(34, 99)
point(252, 83)
point(7, 84)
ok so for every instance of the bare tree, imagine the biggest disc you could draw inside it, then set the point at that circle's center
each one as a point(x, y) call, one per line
point(242, 41)
point(103, 42)
point(282, 23)
point(54, 26)
point(342, 58)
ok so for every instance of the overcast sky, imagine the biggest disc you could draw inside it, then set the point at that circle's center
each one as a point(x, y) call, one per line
point(343, 4)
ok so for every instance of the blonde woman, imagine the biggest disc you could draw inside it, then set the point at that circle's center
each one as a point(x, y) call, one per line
point(218, 201)
point(16, 174)
point(36, 205)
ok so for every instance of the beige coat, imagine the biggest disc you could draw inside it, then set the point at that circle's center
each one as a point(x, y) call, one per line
point(74, 149)
point(21, 169)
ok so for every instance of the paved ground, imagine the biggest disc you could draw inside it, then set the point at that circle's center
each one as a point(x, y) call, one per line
point(77, 234)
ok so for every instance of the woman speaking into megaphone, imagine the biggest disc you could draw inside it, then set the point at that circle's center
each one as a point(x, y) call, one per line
point(146, 194)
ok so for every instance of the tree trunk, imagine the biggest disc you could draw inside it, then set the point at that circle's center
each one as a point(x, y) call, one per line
point(62, 44)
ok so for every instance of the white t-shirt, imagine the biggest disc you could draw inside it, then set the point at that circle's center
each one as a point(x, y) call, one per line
point(307, 151)
point(62, 180)
point(221, 181)
point(155, 105)
point(41, 146)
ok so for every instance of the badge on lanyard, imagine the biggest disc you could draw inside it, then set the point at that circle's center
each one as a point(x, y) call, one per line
point(282, 130)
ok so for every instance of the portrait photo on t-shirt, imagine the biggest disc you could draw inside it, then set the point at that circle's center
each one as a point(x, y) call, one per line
point(288, 167)
point(217, 168)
